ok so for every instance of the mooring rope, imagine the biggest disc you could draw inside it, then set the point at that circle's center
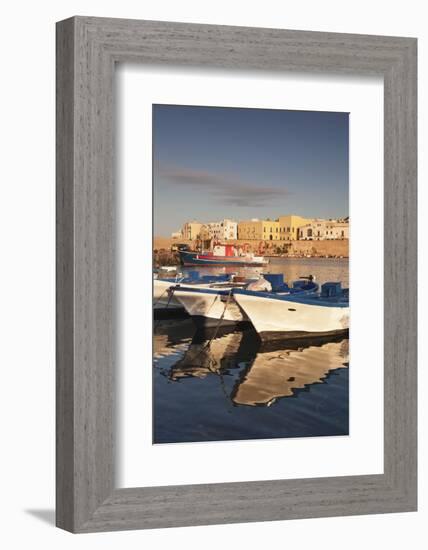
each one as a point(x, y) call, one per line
point(158, 300)
point(221, 319)
point(208, 343)
point(170, 291)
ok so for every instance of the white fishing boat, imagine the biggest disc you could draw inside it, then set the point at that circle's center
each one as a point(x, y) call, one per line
point(163, 281)
point(215, 304)
point(281, 315)
point(209, 306)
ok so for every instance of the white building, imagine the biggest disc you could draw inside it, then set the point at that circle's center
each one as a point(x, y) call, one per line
point(312, 231)
point(337, 230)
point(224, 230)
point(177, 235)
point(317, 230)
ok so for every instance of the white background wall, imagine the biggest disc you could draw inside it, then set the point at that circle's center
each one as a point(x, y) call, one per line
point(27, 272)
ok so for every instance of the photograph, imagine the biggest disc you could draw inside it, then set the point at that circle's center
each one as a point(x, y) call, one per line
point(240, 166)
point(250, 273)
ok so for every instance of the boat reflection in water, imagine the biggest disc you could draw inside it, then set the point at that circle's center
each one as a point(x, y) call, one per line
point(227, 385)
point(277, 373)
point(205, 357)
point(272, 370)
point(171, 338)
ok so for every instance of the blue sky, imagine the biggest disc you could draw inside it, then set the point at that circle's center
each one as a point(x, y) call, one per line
point(211, 163)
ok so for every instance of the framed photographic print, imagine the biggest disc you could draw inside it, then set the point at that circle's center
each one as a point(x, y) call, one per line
point(236, 274)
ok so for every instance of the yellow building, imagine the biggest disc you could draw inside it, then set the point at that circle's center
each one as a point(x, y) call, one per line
point(289, 227)
point(258, 230)
point(191, 230)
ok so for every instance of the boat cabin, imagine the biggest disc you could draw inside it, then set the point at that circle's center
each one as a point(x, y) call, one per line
point(225, 250)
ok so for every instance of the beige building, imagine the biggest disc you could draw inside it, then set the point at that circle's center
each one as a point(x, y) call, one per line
point(317, 230)
point(313, 231)
point(289, 227)
point(191, 230)
point(258, 230)
point(337, 230)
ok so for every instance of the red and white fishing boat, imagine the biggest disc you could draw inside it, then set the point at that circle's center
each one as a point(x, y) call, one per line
point(221, 254)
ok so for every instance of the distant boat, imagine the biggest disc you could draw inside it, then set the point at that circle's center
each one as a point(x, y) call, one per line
point(221, 254)
point(278, 315)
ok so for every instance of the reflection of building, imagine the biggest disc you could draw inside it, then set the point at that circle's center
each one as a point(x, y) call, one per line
point(191, 230)
point(289, 227)
point(223, 230)
point(260, 230)
point(317, 230)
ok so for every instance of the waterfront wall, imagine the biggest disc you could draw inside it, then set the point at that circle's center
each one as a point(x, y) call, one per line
point(334, 248)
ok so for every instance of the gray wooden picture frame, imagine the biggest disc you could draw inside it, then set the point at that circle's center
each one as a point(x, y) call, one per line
point(87, 50)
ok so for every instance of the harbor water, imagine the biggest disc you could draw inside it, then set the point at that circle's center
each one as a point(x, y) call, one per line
point(226, 385)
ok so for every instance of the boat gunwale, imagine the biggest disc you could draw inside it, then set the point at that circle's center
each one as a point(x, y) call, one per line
point(306, 298)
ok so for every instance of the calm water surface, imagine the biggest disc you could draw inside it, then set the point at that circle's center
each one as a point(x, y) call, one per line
point(324, 269)
point(227, 385)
